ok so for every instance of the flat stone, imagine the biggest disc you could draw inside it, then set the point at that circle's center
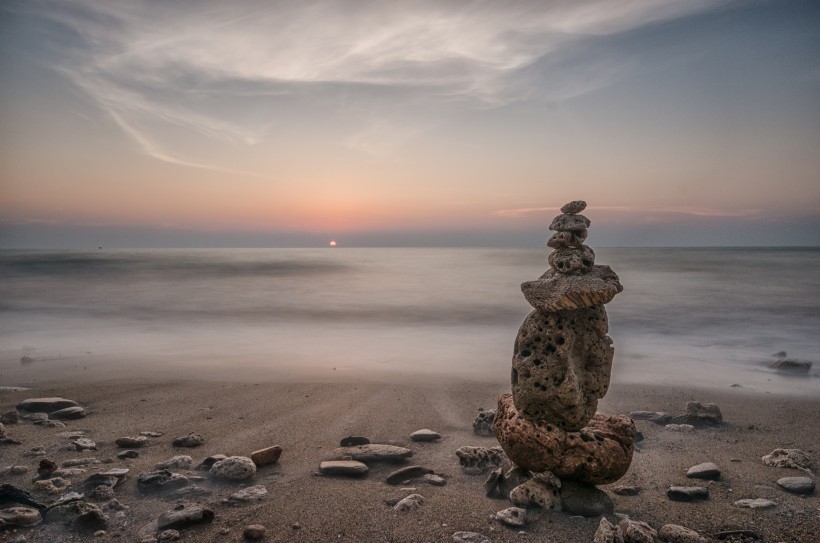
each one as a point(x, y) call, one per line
point(35, 417)
point(683, 428)
point(84, 444)
point(374, 453)
point(687, 493)
point(353, 441)
point(19, 516)
point(555, 291)
point(149, 433)
point(434, 479)
point(184, 517)
point(407, 473)
point(266, 456)
point(674, 533)
point(234, 468)
point(585, 500)
point(176, 462)
point(254, 532)
point(757, 503)
point(634, 531)
point(707, 413)
point(627, 490)
point(168, 535)
point(188, 492)
point(160, 480)
point(209, 461)
point(10, 417)
point(69, 413)
point(131, 442)
point(343, 467)
point(127, 454)
point(80, 462)
point(512, 516)
point(791, 366)
point(14, 470)
point(569, 222)
point(789, 458)
point(190, 440)
point(45, 405)
point(477, 460)
point(250, 494)
point(539, 493)
point(483, 423)
point(79, 514)
point(469, 537)
point(658, 417)
point(574, 207)
point(410, 503)
point(706, 470)
point(425, 435)
point(797, 485)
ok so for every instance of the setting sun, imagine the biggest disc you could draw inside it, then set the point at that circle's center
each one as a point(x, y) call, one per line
point(332, 244)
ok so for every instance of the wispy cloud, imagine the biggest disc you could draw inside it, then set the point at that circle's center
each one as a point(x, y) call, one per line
point(637, 210)
point(221, 69)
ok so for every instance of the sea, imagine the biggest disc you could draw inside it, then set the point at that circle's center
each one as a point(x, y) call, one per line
point(709, 317)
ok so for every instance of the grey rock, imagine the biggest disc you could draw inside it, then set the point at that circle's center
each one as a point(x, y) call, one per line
point(176, 462)
point(168, 535)
point(706, 470)
point(45, 405)
point(567, 223)
point(127, 454)
point(607, 533)
point(84, 444)
point(161, 480)
point(410, 503)
point(188, 492)
point(797, 485)
point(791, 366)
point(350, 468)
point(10, 417)
point(585, 500)
point(789, 458)
point(35, 417)
point(190, 440)
point(68, 472)
point(210, 461)
point(131, 442)
point(469, 537)
point(79, 514)
point(706, 413)
point(184, 517)
point(687, 493)
point(150, 433)
point(80, 462)
point(69, 413)
point(234, 468)
point(658, 417)
point(254, 532)
point(374, 453)
point(477, 460)
point(757, 503)
point(627, 490)
point(248, 495)
point(407, 473)
point(512, 516)
point(434, 479)
point(353, 441)
point(483, 423)
point(574, 207)
point(425, 435)
point(19, 516)
point(537, 492)
point(683, 428)
point(634, 531)
point(674, 533)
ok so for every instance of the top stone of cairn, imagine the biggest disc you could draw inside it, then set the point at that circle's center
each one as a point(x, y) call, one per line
point(576, 206)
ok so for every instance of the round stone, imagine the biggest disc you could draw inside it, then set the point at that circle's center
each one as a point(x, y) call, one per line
point(254, 532)
point(572, 261)
point(234, 468)
point(798, 485)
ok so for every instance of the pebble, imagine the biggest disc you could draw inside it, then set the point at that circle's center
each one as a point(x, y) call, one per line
point(250, 494)
point(84, 444)
point(151, 434)
point(635, 531)
point(15, 470)
point(585, 500)
point(45, 405)
point(797, 485)
point(254, 532)
point(353, 441)
point(127, 454)
point(576, 206)
point(234, 468)
point(210, 461)
point(343, 467)
point(512, 516)
point(184, 517)
point(706, 470)
point(607, 532)
point(176, 462)
point(407, 473)
point(434, 479)
point(469, 537)
point(20, 516)
point(674, 533)
point(627, 490)
point(680, 428)
point(80, 462)
point(10, 417)
point(374, 453)
point(788, 458)
point(269, 455)
point(100, 533)
point(160, 480)
point(425, 435)
point(757, 503)
point(69, 413)
point(687, 493)
point(410, 503)
point(190, 440)
point(168, 535)
point(129, 442)
point(483, 423)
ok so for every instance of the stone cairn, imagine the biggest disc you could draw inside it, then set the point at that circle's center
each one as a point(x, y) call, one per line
point(561, 368)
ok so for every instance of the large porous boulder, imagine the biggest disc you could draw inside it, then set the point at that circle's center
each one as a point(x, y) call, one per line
point(600, 453)
point(561, 366)
point(536, 447)
point(234, 468)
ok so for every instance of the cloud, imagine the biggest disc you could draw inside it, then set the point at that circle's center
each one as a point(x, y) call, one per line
point(638, 210)
point(222, 70)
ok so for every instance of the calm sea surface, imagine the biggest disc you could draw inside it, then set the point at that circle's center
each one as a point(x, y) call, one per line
point(686, 316)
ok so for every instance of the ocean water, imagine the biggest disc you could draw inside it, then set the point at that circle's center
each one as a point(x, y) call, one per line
point(705, 317)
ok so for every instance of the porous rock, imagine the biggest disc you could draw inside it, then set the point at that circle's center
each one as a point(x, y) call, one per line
point(567, 239)
point(674, 533)
point(789, 458)
point(189, 441)
point(572, 260)
point(634, 531)
point(374, 453)
point(512, 516)
point(19, 516)
point(555, 291)
point(537, 492)
point(483, 423)
point(176, 462)
point(184, 517)
point(266, 456)
point(250, 494)
point(536, 447)
point(568, 222)
point(410, 503)
point(607, 533)
point(234, 468)
point(477, 460)
point(574, 207)
point(600, 453)
point(584, 499)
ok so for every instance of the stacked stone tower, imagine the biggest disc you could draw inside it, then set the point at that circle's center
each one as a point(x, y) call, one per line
point(561, 367)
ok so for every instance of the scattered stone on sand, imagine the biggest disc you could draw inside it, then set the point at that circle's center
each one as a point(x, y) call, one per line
point(424, 435)
point(499, 484)
point(14, 470)
point(350, 468)
point(234, 468)
point(34, 418)
point(469, 537)
point(127, 454)
point(354, 441)
point(658, 417)
point(684, 428)
point(410, 503)
point(512, 516)
point(635, 531)
point(54, 485)
point(374, 453)
point(69, 413)
point(176, 462)
point(10, 417)
point(21, 517)
point(266, 456)
point(188, 492)
point(248, 495)
point(79, 514)
point(406, 474)
point(585, 499)
point(607, 533)
point(705, 413)
point(68, 472)
point(627, 490)
point(168, 535)
point(537, 492)
point(190, 440)
point(254, 532)
point(483, 424)
point(49, 424)
point(160, 480)
point(131, 442)
point(101, 493)
point(687, 493)
point(80, 462)
point(797, 485)
point(674, 533)
point(706, 470)
point(184, 517)
point(477, 460)
point(433, 479)
point(787, 365)
point(45, 405)
point(45, 468)
point(757, 503)
point(574, 207)
point(209, 461)
point(84, 444)
point(35, 451)
point(150, 433)
point(789, 458)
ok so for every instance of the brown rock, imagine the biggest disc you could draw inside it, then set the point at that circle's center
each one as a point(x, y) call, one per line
point(566, 222)
point(607, 533)
point(554, 291)
point(270, 455)
point(254, 532)
point(600, 453)
point(477, 460)
point(561, 365)
point(575, 206)
point(673, 533)
point(634, 531)
point(566, 240)
point(572, 260)
point(537, 491)
point(536, 447)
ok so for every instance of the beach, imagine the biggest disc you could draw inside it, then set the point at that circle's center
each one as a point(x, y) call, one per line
point(309, 417)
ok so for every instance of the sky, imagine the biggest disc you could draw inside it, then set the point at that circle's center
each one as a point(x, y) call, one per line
point(415, 123)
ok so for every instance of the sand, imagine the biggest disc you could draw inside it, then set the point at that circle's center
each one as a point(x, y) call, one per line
point(309, 417)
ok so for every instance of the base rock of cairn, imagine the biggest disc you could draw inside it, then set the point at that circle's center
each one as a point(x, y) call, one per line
point(561, 368)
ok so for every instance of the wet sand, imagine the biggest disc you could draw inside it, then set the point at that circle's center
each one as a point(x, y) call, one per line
point(309, 417)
